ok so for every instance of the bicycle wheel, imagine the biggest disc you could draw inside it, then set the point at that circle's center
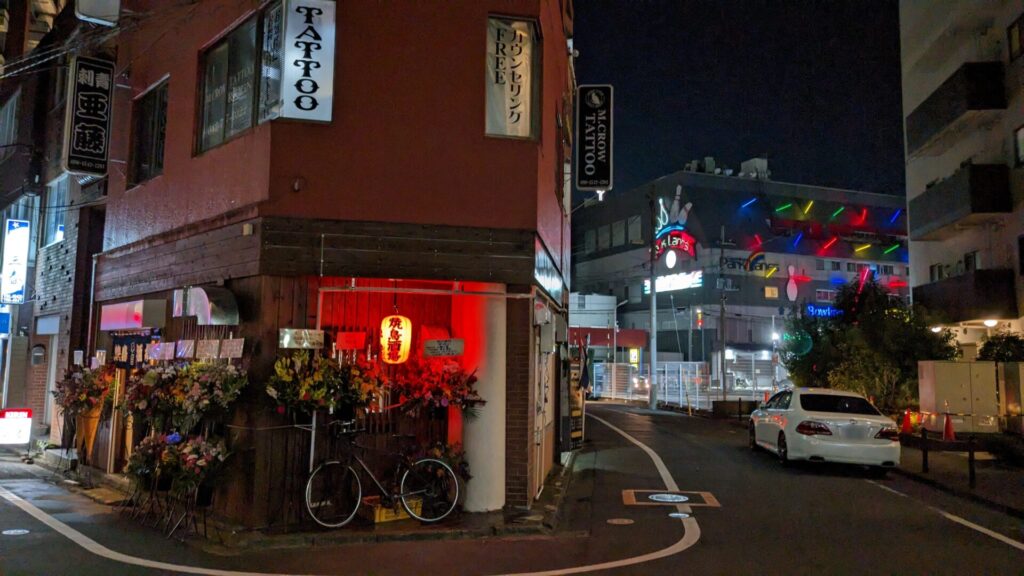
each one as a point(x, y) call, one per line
point(333, 493)
point(429, 490)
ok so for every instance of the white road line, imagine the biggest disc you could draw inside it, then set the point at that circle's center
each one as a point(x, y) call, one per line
point(982, 529)
point(690, 536)
point(963, 522)
point(102, 551)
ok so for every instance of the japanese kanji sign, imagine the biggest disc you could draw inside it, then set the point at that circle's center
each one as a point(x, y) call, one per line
point(15, 262)
point(89, 106)
point(510, 54)
point(594, 137)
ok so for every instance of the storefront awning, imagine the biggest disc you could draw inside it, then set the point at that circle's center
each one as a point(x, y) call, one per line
point(626, 338)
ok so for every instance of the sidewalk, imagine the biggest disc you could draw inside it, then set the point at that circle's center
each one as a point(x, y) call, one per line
point(997, 485)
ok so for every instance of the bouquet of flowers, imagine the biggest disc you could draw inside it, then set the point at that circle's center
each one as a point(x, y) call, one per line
point(82, 389)
point(308, 382)
point(203, 386)
point(148, 393)
point(453, 454)
point(436, 382)
point(198, 459)
point(146, 457)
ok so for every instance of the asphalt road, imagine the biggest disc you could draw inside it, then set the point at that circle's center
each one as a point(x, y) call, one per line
point(771, 520)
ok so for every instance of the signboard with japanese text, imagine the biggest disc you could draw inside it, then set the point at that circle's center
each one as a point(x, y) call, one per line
point(510, 81)
point(449, 347)
point(300, 338)
point(208, 349)
point(15, 425)
point(87, 123)
point(232, 348)
point(307, 73)
point(130, 350)
point(185, 349)
point(594, 137)
point(15, 264)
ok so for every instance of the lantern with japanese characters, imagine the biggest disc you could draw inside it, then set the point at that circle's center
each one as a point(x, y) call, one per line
point(395, 339)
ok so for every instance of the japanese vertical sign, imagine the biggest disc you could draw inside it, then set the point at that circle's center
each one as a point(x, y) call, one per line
point(594, 137)
point(510, 54)
point(89, 106)
point(307, 76)
point(15, 265)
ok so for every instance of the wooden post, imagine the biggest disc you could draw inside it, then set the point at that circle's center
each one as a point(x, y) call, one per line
point(924, 450)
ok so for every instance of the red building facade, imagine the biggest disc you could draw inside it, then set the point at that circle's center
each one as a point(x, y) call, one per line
point(402, 200)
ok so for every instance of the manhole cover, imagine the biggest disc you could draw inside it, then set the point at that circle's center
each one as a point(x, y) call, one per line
point(679, 515)
point(620, 521)
point(15, 532)
point(668, 498)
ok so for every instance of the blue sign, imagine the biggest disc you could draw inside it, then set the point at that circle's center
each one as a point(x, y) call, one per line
point(823, 311)
point(5, 322)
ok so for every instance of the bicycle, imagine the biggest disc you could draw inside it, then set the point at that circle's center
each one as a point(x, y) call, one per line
point(428, 489)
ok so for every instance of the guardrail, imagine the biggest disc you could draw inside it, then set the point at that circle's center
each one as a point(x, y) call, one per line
point(936, 445)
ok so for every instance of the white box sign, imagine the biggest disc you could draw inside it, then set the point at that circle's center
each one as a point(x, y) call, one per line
point(15, 426)
point(307, 68)
point(15, 264)
point(450, 347)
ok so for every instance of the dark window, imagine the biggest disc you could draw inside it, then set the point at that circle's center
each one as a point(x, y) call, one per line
point(1013, 37)
point(229, 89)
point(837, 404)
point(819, 264)
point(836, 265)
point(149, 131)
point(971, 261)
point(1018, 146)
point(1020, 255)
point(851, 267)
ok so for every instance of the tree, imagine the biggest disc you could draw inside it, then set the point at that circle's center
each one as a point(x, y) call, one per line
point(1003, 347)
point(871, 346)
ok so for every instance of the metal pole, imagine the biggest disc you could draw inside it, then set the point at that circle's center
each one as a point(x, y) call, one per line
point(721, 312)
point(675, 319)
point(615, 347)
point(653, 396)
point(689, 336)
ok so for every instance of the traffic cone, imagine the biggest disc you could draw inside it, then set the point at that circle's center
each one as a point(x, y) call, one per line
point(765, 396)
point(905, 427)
point(947, 431)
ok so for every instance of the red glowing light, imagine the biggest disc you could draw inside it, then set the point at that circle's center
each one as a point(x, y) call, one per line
point(830, 243)
point(898, 284)
point(863, 216)
point(801, 278)
point(757, 237)
point(863, 278)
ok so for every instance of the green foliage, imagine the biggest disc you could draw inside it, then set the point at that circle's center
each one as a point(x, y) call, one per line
point(872, 347)
point(1003, 347)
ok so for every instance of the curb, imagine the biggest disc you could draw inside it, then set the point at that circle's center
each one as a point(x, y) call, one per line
point(961, 493)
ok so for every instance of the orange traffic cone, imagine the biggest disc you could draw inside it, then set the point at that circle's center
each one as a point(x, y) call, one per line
point(765, 396)
point(947, 431)
point(905, 427)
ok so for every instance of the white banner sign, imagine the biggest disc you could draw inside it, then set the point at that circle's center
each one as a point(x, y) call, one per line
point(510, 77)
point(300, 338)
point(307, 75)
point(15, 425)
point(15, 265)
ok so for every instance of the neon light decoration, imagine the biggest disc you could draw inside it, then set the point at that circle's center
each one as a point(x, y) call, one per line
point(749, 202)
point(395, 339)
point(895, 283)
point(673, 282)
point(862, 248)
point(837, 212)
point(863, 216)
point(815, 311)
point(895, 215)
point(674, 238)
point(755, 258)
point(808, 207)
point(757, 238)
point(771, 272)
point(830, 243)
point(799, 237)
point(785, 206)
point(891, 248)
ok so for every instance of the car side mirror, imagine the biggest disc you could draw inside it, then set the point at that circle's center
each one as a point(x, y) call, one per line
point(760, 406)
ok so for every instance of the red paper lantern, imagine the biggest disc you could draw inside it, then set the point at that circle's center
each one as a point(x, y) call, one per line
point(395, 339)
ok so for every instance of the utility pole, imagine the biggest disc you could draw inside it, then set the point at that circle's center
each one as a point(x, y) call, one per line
point(653, 379)
point(721, 312)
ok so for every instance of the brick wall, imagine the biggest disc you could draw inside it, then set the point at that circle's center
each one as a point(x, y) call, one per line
point(519, 405)
point(35, 379)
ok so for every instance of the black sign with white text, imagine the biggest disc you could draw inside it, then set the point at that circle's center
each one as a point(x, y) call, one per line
point(89, 105)
point(594, 137)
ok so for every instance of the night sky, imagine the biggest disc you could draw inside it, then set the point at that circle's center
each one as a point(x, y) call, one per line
point(814, 84)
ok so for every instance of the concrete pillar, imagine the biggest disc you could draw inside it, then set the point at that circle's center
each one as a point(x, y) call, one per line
point(480, 321)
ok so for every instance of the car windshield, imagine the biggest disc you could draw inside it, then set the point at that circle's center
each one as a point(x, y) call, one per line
point(837, 404)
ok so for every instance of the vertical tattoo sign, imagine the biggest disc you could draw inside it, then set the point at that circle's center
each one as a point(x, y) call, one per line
point(510, 54)
point(594, 137)
point(307, 79)
point(87, 123)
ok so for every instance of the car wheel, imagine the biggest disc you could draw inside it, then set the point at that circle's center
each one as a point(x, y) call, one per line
point(783, 450)
point(878, 472)
point(753, 437)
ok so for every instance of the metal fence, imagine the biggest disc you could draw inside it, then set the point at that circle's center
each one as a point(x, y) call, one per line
point(683, 384)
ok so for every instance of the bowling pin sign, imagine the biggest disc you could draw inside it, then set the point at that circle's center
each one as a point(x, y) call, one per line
point(791, 288)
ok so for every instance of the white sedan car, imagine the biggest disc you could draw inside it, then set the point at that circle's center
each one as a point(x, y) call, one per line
point(823, 425)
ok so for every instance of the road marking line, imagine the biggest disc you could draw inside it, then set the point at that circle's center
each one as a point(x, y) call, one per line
point(100, 550)
point(953, 517)
point(886, 488)
point(982, 529)
point(690, 536)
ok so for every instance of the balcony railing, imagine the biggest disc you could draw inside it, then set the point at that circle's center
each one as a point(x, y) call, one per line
point(976, 295)
point(971, 98)
point(973, 195)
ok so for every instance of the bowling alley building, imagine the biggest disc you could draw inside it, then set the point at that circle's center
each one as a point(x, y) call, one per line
point(787, 248)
